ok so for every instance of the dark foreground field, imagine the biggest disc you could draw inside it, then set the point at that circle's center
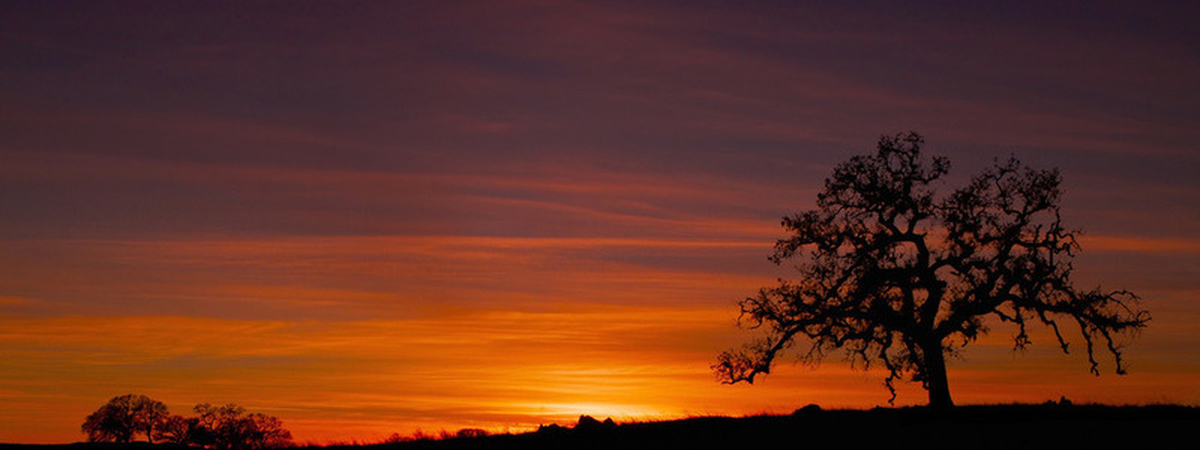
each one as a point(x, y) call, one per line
point(971, 427)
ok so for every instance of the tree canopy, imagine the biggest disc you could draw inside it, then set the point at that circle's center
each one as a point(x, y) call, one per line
point(229, 427)
point(123, 417)
point(223, 427)
point(894, 272)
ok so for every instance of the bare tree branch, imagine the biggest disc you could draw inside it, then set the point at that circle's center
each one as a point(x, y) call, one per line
point(891, 271)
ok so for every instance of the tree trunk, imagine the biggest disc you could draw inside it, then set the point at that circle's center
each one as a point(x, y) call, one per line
point(935, 378)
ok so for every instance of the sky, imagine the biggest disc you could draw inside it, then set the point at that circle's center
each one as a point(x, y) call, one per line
point(370, 217)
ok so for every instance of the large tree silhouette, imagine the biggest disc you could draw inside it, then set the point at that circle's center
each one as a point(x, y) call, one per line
point(894, 273)
point(123, 417)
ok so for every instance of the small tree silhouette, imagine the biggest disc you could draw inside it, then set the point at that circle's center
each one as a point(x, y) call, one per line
point(123, 417)
point(892, 272)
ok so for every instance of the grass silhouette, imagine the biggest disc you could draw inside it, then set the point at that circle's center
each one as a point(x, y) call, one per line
point(1050, 426)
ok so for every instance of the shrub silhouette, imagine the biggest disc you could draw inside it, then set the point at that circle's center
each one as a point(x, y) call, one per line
point(469, 433)
point(893, 273)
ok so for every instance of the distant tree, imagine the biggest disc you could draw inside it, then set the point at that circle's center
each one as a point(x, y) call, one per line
point(265, 431)
point(217, 425)
point(471, 433)
point(228, 427)
point(893, 273)
point(176, 429)
point(123, 417)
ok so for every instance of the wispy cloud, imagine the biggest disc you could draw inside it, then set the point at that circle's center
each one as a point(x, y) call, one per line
point(493, 368)
point(1139, 244)
point(397, 215)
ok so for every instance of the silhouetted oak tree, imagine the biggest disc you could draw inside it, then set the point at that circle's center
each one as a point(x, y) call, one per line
point(179, 430)
point(123, 417)
point(228, 427)
point(894, 273)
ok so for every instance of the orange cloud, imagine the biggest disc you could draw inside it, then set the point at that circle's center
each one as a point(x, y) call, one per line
point(388, 275)
point(497, 369)
point(1138, 244)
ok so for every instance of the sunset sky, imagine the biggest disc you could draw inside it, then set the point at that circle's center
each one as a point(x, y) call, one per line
point(373, 217)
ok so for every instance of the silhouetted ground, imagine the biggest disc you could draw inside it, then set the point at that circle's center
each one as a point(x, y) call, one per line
point(1048, 426)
